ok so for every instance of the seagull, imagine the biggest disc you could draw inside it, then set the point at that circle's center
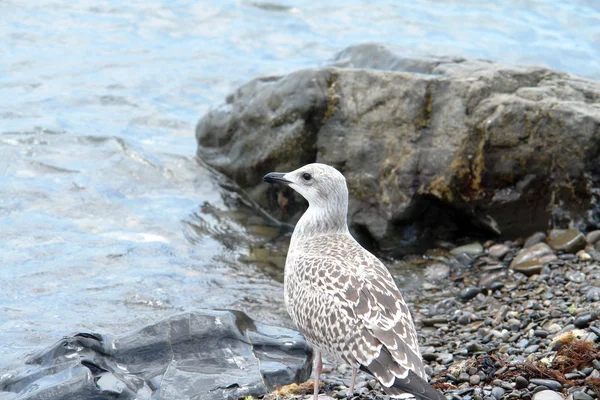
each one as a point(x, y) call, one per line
point(341, 297)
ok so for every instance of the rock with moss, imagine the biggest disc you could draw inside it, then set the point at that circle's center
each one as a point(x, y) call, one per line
point(431, 147)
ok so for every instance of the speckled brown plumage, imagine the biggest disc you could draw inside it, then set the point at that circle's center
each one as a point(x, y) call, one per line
point(341, 297)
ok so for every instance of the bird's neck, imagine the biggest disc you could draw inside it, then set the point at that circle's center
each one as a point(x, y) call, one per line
point(318, 221)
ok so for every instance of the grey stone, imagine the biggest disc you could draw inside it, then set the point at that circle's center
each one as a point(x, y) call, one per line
point(541, 333)
point(202, 355)
point(449, 141)
point(570, 241)
point(575, 276)
point(531, 254)
point(554, 233)
point(464, 259)
point(469, 293)
point(494, 280)
point(549, 383)
point(594, 253)
point(593, 236)
point(593, 294)
point(582, 255)
point(342, 394)
point(436, 272)
point(579, 395)
point(531, 349)
point(475, 347)
point(521, 382)
point(471, 249)
point(498, 251)
point(474, 379)
point(535, 238)
point(497, 392)
point(583, 321)
point(547, 395)
point(361, 384)
point(445, 358)
point(529, 268)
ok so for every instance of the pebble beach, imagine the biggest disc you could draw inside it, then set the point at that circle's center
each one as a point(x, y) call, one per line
point(500, 320)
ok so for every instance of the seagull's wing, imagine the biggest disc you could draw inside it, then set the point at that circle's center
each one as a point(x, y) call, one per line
point(384, 341)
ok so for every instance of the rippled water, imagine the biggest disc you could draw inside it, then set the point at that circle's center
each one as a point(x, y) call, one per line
point(107, 221)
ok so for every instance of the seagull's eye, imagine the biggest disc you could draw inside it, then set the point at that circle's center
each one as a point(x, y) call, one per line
point(307, 176)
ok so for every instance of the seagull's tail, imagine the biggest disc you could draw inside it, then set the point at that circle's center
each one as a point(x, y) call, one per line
point(413, 385)
point(410, 386)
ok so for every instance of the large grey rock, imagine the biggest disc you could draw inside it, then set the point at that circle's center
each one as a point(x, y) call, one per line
point(197, 355)
point(431, 147)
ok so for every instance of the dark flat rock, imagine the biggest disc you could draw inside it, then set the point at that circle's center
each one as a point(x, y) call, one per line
point(549, 383)
point(196, 355)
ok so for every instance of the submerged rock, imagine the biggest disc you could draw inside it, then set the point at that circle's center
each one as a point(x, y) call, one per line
point(431, 148)
point(200, 355)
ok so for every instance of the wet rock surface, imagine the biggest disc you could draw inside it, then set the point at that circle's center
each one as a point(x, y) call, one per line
point(198, 355)
point(431, 148)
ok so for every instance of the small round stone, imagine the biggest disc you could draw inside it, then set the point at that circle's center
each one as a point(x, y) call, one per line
point(498, 251)
point(472, 249)
point(534, 239)
point(531, 349)
point(593, 236)
point(445, 358)
point(583, 321)
point(497, 392)
point(469, 293)
point(541, 333)
point(583, 256)
point(429, 370)
point(579, 395)
point(547, 395)
point(593, 294)
point(360, 385)
point(464, 319)
point(521, 383)
point(474, 379)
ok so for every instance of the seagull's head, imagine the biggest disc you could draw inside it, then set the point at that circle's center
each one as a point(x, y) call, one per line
point(321, 185)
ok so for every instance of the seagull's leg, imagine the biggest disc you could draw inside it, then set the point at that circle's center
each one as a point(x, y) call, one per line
point(351, 390)
point(318, 368)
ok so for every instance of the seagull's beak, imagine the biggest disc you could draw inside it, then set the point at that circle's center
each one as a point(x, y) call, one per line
point(276, 177)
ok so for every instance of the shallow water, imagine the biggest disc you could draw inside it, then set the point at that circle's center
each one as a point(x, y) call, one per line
point(107, 220)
